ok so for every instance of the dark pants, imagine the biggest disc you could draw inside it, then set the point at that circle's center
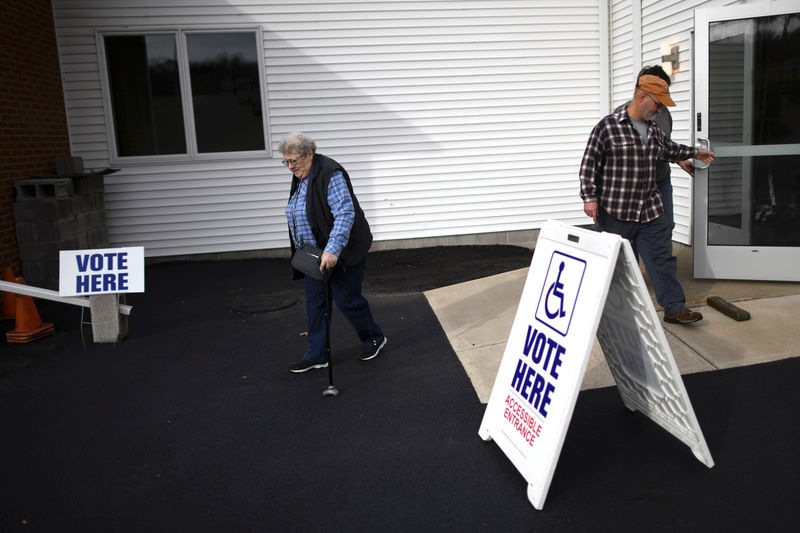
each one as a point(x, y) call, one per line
point(345, 286)
point(665, 188)
point(653, 241)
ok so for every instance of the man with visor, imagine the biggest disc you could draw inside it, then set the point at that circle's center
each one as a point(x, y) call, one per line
point(619, 190)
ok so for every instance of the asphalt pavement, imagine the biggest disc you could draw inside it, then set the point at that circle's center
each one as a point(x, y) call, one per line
point(194, 423)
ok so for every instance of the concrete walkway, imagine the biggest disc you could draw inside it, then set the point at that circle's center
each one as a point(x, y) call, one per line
point(477, 318)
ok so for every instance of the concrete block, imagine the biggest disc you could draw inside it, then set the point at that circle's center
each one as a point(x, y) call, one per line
point(108, 325)
point(97, 217)
point(90, 220)
point(82, 241)
point(46, 250)
point(98, 200)
point(66, 166)
point(98, 237)
point(83, 203)
point(42, 274)
point(85, 221)
point(38, 188)
point(88, 183)
point(46, 230)
point(44, 209)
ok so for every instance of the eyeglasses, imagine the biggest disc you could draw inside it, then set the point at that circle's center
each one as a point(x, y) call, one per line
point(659, 105)
point(292, 162)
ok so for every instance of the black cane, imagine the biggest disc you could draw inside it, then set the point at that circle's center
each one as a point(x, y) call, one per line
point(326, 288)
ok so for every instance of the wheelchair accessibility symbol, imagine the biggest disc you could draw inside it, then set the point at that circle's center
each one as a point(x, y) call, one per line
point(560, 292)
point(555, 292)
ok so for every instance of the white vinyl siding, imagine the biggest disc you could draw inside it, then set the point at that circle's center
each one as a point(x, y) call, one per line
point(452, 117)
point(625, 46)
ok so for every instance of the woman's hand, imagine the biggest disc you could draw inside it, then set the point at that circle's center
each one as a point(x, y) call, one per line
point(327, 261)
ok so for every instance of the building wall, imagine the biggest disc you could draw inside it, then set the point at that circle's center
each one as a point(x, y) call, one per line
point(33, 126)
point(452, 118)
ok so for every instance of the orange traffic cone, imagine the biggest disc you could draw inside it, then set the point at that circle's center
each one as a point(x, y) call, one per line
point(9, 301)
point(29, 326)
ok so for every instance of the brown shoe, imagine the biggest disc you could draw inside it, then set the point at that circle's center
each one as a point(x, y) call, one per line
point(684, 316)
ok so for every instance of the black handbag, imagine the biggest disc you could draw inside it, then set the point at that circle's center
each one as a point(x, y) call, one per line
point(307, 259)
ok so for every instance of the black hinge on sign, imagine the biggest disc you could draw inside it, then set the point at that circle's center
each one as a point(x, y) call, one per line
point(699, 122)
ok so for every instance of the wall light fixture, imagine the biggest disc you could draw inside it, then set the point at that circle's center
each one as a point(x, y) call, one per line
point(669, 58)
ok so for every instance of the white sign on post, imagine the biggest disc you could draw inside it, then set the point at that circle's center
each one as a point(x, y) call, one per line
point(101, 271)
point(578, 282)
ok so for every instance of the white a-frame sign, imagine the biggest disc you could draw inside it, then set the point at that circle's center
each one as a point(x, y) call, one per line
point(581, 284)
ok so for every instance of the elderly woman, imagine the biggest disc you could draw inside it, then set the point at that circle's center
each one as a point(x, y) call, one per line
point(323, 211)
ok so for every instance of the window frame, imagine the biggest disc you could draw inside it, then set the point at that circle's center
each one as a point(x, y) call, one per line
point(182, 57)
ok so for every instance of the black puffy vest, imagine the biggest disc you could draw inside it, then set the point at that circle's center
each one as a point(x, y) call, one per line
point(320, 216)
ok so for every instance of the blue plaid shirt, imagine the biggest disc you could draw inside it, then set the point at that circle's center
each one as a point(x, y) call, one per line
point(341, 205)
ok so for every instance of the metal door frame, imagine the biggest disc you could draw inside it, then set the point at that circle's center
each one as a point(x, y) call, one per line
point(744, 261)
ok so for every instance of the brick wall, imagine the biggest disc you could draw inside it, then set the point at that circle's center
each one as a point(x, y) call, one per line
point(33, 124)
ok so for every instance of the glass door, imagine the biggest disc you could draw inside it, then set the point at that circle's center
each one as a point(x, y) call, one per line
point(747, 99)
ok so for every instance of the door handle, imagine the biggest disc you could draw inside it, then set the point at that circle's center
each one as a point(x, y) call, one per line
point(704, 143)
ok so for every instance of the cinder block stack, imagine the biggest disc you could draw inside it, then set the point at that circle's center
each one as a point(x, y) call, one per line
point(53, 213)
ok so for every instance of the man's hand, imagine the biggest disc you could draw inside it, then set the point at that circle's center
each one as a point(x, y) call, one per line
point(704, 155)
point(590, 208)
point(687, 166)
point(327, 261)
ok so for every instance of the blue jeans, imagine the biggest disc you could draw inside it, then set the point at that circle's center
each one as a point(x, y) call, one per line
point(653, 241)
point(345, 284)
point(665, 188)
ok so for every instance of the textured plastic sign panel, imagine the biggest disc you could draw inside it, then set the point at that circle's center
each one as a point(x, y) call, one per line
point(572, 273)
point(640, 359)
point(101, 271)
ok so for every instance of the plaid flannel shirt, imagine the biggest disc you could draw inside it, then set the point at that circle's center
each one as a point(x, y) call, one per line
point(618, 170)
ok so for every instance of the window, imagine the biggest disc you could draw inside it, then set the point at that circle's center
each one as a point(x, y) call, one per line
point(145, 95)
point(163, 105)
